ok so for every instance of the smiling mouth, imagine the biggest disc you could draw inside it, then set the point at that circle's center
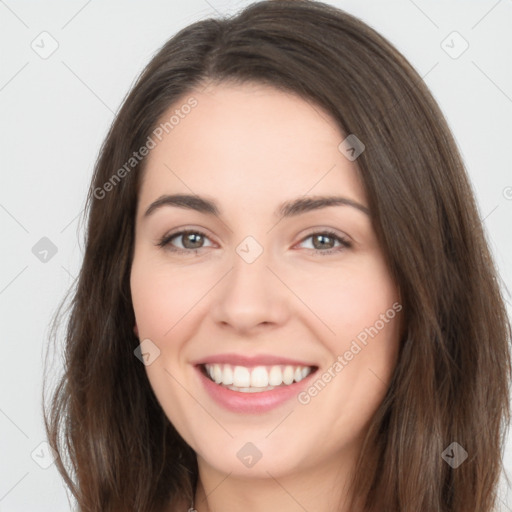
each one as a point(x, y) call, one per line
point(255, 379)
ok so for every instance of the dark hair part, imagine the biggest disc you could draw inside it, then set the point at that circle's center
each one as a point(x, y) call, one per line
point(451, 380)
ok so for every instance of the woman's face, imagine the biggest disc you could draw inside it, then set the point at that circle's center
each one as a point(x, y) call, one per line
point(258, 291)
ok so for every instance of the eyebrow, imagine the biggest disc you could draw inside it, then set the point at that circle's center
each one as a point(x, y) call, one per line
point(286, 209)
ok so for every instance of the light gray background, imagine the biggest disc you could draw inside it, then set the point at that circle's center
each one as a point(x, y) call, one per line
point(55, 112)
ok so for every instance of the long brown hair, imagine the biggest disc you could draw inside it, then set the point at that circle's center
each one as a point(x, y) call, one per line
point(451, 383)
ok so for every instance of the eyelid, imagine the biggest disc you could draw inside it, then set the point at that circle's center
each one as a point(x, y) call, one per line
point(317, 230)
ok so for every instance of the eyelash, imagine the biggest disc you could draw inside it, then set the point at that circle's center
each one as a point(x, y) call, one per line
point(165, 241)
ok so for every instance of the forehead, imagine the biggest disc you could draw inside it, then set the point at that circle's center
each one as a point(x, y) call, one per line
point(251, 142)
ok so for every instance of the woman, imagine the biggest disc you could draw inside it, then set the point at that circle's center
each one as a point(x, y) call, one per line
point(286, 298)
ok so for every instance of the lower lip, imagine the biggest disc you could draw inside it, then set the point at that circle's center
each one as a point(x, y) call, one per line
point(258, 402)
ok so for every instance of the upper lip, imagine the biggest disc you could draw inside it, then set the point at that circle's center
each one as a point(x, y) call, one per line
point(249, 361)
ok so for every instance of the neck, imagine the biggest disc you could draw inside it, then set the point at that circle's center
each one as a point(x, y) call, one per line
point(322, 489)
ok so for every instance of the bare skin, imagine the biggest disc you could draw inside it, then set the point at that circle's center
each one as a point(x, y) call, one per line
point(250, 148)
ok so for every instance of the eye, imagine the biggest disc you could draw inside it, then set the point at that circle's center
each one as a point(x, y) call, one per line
point(323, 246)
point(191, 241)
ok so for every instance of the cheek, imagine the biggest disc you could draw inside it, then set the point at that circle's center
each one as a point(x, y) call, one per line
point(350, 298)
point(162, 296)
point(163, 300)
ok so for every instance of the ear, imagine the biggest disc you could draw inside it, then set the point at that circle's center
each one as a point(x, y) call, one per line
point(136, 330)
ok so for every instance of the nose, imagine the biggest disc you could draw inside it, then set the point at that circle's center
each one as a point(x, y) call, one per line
point(250, 297)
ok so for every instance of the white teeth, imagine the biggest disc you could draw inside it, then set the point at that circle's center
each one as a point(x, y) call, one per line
point(275, 377)
point(288, 375)
point(241, 377)
point(227, 375)
point(217, 374)
point(250, 390)
point(259, 378)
